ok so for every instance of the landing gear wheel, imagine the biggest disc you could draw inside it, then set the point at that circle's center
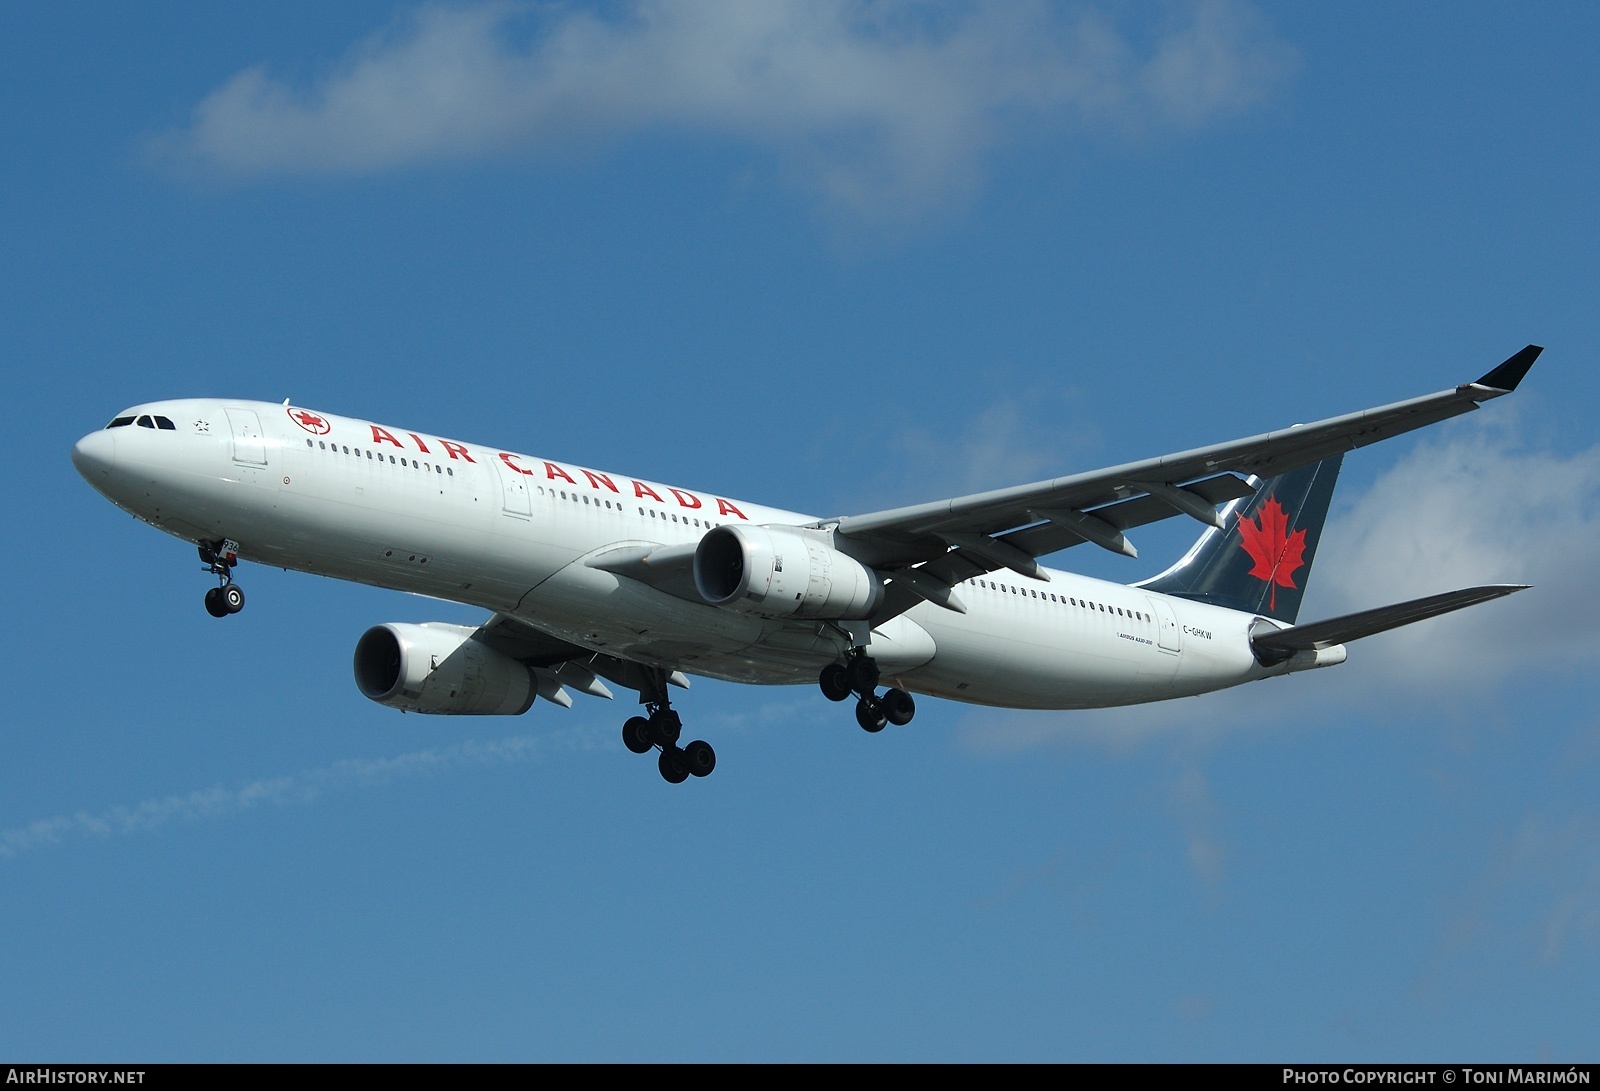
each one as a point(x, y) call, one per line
point(673, 768)
point(699, 758)
point(835, 682)
point(214, 604)
point(869, 714)
point(665, 727)
point(636, 735)
point(862, 673)
point(233, 598)
point(898, 707)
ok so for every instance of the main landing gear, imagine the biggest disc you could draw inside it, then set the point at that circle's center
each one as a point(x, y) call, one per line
point(220, 558)
point(858, 674)
point(660, 730)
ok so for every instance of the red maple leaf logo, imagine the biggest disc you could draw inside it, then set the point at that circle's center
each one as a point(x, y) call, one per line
point(310, 421)
point(1277, 553)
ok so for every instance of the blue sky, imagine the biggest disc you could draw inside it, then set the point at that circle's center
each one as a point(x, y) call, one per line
point(831, 257)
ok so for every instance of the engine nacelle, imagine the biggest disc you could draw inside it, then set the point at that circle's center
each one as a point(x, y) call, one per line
point(779, 571)
point(439, 668)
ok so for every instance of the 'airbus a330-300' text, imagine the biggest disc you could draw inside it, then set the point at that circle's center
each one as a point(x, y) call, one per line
point(595, 577)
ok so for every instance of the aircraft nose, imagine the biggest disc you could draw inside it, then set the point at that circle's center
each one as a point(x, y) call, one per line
point(94, 455)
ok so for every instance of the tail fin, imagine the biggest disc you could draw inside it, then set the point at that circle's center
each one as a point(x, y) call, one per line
point(1260, 562)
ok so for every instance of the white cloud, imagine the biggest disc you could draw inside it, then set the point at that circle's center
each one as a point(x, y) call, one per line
point(1539, 890)
point(1478, 507)
point(297, 789)
point(1196, 811)
point(881, 108)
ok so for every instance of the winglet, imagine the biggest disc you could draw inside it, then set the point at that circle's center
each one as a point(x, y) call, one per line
point(1509, 374)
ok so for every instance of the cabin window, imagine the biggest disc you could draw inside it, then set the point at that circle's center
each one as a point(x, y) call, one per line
point(308, 443)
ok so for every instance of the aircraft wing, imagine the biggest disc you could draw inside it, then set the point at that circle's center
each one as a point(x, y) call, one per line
point(952, 540)
point(558, 663)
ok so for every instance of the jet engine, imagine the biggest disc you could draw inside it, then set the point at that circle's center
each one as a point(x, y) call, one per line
point(781, 571)
point(440, 668)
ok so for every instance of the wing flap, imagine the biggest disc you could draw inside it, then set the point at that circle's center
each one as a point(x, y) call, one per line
point(558, 663)
point(528, 645)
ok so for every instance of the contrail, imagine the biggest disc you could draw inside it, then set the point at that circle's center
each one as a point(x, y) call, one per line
point(282, 791)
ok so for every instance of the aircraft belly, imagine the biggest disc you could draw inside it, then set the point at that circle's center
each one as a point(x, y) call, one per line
point(611, 613)
point(794, 652)
point(1034, 659)
point(615, 614)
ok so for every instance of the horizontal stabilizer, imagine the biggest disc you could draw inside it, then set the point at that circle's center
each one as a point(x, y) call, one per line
point(1277, 645)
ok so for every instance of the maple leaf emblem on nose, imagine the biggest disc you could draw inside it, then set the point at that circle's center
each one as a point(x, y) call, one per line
point(309, 421)
point(1277, 553)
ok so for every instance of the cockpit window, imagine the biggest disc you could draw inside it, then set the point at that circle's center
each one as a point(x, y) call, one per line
point(165, 424)
point(120, 422)
point(145, 421)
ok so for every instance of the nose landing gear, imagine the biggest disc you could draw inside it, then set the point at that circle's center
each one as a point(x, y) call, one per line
point(220, 558)
point(858, 674)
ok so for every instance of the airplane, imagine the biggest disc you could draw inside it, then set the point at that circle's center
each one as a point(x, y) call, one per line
point(593, 577)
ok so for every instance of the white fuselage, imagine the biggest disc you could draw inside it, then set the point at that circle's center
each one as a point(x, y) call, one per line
point(512, 533)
